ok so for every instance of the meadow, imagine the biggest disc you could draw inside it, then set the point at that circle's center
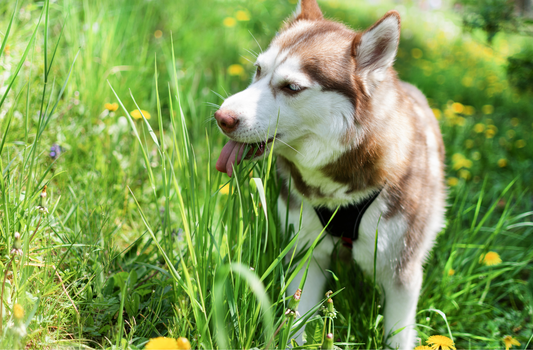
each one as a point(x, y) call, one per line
point(116, 228)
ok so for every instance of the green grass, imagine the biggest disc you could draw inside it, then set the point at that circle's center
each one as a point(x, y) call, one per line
point(140, 241)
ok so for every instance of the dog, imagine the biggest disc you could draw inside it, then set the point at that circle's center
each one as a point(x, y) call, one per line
point(350, 135)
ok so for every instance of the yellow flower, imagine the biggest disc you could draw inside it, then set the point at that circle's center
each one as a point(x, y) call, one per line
point(235, 69)
point(422, 347)
point(465, 174)
point(162, 343)
point(437, 113)
point(440, 342)
point(183, 343)
point(490, 133)
point(469, 110)
point(242, 15)
point(224, 189)
point(453, 181)
point(459, 161)
point(510, 341)
point(491, 259)
point(451, 272)
point(479, 127)
point(229, 22)
point(18, 311)
point(515, 121)
point(458, 107)
point(469, 143)
point(416, 53)
point(502, 163)
point(158, 34)
point(137, 115)
point(487, 109)
point(111, 107)
point(520, 144)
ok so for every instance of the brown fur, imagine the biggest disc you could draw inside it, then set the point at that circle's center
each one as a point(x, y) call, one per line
point(330, 51)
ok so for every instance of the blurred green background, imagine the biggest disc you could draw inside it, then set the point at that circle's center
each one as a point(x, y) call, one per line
point(93, 277)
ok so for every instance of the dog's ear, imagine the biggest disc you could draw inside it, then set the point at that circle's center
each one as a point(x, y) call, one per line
point(375, 49)
point(308, 10)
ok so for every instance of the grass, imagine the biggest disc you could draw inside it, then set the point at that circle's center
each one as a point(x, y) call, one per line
point(143, 238)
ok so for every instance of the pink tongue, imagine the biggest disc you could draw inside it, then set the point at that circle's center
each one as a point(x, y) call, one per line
point(229, 155)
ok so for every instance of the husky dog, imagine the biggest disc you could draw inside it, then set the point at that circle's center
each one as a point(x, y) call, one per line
point(350, 135)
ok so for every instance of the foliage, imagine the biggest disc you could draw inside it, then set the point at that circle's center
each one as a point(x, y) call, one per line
point(142, 238)
point(520, 70)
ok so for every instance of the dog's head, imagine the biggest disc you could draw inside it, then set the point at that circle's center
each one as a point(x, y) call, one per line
point(312, 85)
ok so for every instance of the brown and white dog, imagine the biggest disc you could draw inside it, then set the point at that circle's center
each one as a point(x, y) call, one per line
point(347, 128)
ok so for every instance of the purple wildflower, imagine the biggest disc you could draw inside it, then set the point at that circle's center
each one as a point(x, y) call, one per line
point(55, 151)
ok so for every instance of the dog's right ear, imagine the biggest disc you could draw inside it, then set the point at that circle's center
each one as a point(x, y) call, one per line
point(375, 49)
point(307, 10)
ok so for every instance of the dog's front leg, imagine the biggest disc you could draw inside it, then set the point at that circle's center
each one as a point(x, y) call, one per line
point(314, 287)
point(401, 298)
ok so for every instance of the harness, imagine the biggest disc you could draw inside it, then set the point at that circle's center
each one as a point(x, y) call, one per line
point(345, 224)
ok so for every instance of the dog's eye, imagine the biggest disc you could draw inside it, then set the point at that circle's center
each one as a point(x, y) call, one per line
point(292, 87)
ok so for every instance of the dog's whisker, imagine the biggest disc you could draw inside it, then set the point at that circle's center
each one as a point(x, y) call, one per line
point(219, 95)
point(286, 144)
point(246, 58)
point(257, 42)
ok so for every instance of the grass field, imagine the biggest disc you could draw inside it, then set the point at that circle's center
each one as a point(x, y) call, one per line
point(116, 229)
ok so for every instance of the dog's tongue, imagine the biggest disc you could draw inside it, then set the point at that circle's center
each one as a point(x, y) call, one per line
point(231, 153)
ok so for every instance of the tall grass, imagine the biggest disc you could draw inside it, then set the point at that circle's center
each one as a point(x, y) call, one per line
point(143, 238)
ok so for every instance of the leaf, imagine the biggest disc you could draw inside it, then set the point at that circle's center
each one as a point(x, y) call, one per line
point(313, 331)
point(259, 185)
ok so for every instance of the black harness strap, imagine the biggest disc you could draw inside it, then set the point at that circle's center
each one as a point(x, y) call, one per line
point(346, 222)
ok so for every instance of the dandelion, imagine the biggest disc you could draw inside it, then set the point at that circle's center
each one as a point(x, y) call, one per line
point(17, 245)
point(158, 34)
point(453, 181)
point(162, 343)
point(465, 174)
point(469, 110)
point(18, 311)
point(459, 161)
point(510, 341)
point(416, 53)
point(520, 144)
point(502, 163)
point(510, 133)
point(224, 189)
point(111, 107)
point(242, 15)
point(137, 115)
point(437, 113)
point(422, 347)
point(229, 22)
point(491, 259)
point(515, 122)
point(458, 107)
point(440, 342)
point(469, 143)
point(479, 127)
point(183, 343)
point(451, 272)
point(487, 109)
point(490, 133)
point(235, 69)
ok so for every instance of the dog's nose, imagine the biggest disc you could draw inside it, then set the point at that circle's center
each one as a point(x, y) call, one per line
point(226, 120)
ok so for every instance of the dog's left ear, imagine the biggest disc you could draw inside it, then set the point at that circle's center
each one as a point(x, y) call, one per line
point(307, 10)
point(375, 49)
